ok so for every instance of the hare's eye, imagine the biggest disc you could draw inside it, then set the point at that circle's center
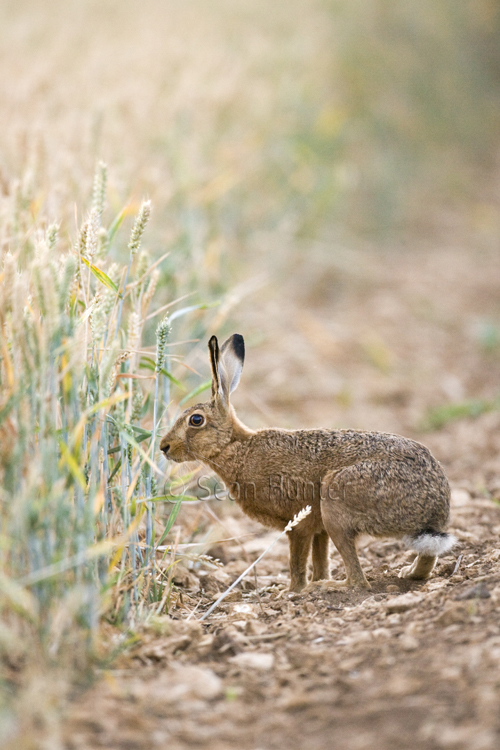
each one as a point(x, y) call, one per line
point(196, 420)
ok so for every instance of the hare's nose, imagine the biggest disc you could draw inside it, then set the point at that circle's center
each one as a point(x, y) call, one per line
point(165, 448)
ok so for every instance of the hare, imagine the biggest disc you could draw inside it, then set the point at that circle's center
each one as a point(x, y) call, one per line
point(356, 482)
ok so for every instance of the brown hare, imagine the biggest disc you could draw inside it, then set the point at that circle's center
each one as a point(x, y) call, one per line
point(356, 482)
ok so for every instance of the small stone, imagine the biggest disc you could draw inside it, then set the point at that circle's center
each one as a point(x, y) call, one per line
point(392, 588)
point(233, 596)
point(300, 699)
point(183, 577)
point(399, 685)
point(381, 633)
point(403, 603)
point(209, 583)
point(208, 684)
point(495, 594)
point(188, 682)
point(453, 613)
point(254, 627)
point(239, 624)
point(479, 591)
point(227, 642)
point(408, 642)
point(394, 619)
point(254, 660)
point(205, 645)
point(360, 636)
point(436, 584)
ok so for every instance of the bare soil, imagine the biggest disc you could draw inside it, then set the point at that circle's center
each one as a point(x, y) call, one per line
point(352, 338)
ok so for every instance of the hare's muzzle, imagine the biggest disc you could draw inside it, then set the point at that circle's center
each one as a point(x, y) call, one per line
point(165, 448)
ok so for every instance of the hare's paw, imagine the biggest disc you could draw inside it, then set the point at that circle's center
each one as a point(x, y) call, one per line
point(406, 572)
point(420, 569)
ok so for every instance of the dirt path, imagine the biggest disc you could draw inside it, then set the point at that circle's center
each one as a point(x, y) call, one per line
point(404, 665)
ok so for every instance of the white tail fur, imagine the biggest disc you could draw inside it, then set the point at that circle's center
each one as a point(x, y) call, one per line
point(430, 543)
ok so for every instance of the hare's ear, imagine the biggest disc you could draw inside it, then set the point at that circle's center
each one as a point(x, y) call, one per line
point(213, 348)
point(232, 356)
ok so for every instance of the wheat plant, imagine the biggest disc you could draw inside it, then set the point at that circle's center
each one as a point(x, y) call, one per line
point(81, 401)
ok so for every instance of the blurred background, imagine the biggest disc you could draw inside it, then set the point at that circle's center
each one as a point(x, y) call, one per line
point(327, 171)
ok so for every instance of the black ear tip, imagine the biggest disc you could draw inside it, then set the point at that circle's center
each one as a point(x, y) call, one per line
point(239, 346)
point(213, 342)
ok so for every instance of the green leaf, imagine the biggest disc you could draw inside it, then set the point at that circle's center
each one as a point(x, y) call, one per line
point(199, 389)
point(172, 498)
point(129, 439)
point(171, 519)
point(191, 308)
point(172, 379)
point(103, 278)
point(440, 416)
point(115, 470)
point(71, 462)
point(184, 479)
point(141, 434)
point(147, 363)
point(115, 226)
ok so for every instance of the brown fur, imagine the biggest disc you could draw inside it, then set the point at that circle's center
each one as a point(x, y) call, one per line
point(356, 482)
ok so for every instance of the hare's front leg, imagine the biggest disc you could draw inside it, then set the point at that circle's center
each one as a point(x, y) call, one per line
point(300, 545)
point(320, 556)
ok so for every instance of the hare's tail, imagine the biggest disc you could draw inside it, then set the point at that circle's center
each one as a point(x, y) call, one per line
point(429, 542)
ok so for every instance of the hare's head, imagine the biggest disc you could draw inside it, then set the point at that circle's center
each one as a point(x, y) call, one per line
point(202, 431)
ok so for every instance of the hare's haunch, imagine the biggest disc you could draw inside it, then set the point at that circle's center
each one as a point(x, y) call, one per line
point(356, 482)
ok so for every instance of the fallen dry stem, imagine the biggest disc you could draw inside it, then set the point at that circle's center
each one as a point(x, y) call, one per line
point(296, 520)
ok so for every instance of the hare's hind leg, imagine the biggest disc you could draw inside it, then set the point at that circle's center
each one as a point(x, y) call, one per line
point(336, 524)
point(345, 542)
point(320, 556)
point(421, 568)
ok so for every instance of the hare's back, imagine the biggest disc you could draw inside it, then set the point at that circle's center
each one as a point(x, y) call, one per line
point(392, 486)
point(315, 452)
